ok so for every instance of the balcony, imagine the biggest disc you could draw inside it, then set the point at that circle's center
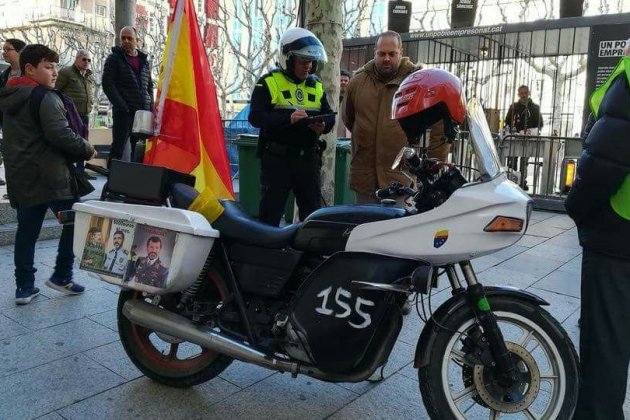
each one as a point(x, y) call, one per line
point(22, 17)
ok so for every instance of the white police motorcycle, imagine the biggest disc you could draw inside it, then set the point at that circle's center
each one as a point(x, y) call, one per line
point(324, 297)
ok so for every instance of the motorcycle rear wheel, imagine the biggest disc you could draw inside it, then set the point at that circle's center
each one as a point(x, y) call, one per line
point(451, 388)
point(165, 359)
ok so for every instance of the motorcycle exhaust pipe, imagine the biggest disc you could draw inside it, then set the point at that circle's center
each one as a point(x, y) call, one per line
point(160, 320)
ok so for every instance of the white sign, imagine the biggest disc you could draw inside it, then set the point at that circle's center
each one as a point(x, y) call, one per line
point(611, 48)
point(464, 4)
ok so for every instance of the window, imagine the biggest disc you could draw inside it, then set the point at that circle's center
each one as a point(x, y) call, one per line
point(101, 10)
point(69, 4)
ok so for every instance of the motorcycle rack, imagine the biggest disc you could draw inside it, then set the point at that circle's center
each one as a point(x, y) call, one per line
point(161, 320)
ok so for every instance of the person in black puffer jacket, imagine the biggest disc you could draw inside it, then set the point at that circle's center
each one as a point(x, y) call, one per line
point(128, 85)
point(599, 203)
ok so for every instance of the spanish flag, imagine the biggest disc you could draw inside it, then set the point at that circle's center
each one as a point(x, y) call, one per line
point(188, 131)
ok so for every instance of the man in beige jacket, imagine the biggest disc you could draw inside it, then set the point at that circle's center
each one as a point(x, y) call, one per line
point(376, 137)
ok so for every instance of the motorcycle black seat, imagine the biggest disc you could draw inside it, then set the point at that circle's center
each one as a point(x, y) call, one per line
point(356, 214)
point(235, 223)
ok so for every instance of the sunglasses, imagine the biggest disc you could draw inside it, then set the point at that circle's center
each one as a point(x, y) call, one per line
point(126, 38)
point(89, 60)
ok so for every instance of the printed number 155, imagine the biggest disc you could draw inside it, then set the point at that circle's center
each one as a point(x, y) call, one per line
point(343, 298)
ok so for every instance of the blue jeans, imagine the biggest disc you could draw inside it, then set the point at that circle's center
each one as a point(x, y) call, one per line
point(81, 164)
point(30, 220)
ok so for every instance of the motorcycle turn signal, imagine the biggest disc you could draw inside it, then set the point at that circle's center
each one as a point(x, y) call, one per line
point(505, 224)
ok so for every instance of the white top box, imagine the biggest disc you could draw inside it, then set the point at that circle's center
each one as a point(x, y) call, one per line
point(165, 217)
point(153, 249)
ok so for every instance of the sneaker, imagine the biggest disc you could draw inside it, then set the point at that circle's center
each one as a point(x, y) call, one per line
point(66, 286)
point(2, 182)
point(24, 295)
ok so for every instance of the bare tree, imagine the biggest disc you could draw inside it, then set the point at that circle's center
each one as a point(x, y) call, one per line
point(356, 13)
point(223, 70)
point(152, 30)
point(247, 39)
point(66, 38)
point(249, 32)
point(425, 18)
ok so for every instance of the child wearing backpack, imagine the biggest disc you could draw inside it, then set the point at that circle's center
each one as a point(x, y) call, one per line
point(38, 149)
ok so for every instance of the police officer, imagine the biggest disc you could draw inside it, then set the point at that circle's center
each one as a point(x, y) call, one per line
point(290, 150)
point(117, 258)
point(599, 203)
point(149, 269)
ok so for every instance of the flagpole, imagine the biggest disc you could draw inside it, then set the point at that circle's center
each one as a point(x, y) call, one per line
point(168, 68)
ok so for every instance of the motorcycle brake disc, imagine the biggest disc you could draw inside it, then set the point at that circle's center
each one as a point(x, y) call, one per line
point(493, 394)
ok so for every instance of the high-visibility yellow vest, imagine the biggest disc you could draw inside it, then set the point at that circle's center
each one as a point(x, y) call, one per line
point(620, 201)
point(286, 94)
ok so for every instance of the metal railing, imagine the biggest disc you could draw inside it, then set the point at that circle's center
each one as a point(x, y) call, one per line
point(536, 163)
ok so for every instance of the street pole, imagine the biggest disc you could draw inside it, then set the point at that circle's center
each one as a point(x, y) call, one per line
point(125, 15)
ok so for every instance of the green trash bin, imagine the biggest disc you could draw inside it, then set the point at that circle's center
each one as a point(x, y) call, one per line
point(249, 177)
point(248, 173)
point(343, 193)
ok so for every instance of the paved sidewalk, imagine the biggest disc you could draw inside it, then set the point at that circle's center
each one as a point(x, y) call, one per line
point(60, 356)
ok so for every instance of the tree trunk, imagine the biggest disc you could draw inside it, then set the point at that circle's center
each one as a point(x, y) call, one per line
point(325, 19)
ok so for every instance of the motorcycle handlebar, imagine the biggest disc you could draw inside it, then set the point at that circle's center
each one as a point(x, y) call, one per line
point(395, 190)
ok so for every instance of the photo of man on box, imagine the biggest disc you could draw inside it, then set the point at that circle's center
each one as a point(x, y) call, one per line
point(117, 257)
point(94, 252)
point(150, 270)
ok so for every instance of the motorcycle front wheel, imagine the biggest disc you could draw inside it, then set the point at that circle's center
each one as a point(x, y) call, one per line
point(454, 386)
point(165, 359)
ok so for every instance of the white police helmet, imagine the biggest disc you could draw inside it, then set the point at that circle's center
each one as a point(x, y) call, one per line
point(303, 44)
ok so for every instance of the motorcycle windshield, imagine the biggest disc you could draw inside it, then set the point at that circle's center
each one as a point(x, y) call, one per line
point(486, 153)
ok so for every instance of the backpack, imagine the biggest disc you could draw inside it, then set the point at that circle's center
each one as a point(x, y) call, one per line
point(73, 117)
point(79, 183)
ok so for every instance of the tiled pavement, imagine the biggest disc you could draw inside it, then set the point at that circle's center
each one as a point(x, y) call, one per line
point(60, 357)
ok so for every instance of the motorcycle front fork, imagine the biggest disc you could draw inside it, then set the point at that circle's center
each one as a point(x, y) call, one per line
point(480, 306)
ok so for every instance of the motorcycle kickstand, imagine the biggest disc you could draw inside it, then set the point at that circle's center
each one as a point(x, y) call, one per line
point(378, 376)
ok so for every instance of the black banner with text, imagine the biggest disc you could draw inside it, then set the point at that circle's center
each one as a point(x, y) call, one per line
point(399, 16)
point(605, 48)
point(463, 13)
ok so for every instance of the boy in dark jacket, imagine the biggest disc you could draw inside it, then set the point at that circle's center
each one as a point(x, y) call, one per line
point(37, 154)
